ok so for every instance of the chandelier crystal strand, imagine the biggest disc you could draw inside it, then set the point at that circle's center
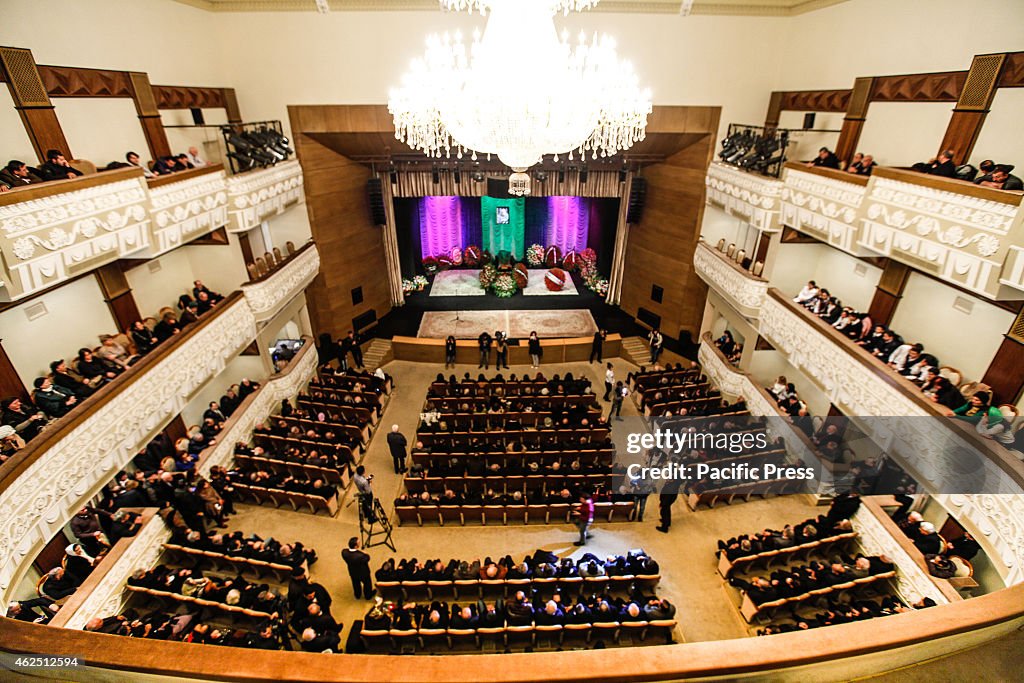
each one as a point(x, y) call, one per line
point(519, 91)
point(554, 6)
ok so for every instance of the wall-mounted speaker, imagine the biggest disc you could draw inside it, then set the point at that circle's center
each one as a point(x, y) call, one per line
point(197, 116)
point(637, 197)
point(375, 194)
point(809, 120)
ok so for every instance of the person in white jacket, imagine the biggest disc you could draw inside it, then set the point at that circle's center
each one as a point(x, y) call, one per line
point(809, 291)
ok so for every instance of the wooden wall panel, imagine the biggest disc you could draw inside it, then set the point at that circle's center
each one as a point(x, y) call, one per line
point(70, 81)
point(936, 87)
point(351, 247)
point(184, 97)
point(814, 100)
point(661, 246)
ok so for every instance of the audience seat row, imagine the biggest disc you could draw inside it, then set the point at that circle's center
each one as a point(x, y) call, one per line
point(557, 513)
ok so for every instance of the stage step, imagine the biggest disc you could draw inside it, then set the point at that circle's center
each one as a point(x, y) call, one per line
point(378, 353)
point(636, 350)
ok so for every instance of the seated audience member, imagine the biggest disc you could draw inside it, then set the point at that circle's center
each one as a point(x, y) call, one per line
point(133, 160)
point(194, 158)
point(165, 166)
point(52, 400)
point(63, 378)
point(26, 419)
point(110, 350)
point(35, 610)
point(10, 443)
point(198, 287)
point(182, 163)
point(808, 293)
point(144, 339)
point(977, 406)
point(945, 393)
point(867, 165)
point(16, 174)
point(57, 167)
point(941, 165)
point(826, 159)
point(855, 163)
point(96, 369)
point(167, 327)
point(1001, 179)
point(56, 586)
point(927, 541)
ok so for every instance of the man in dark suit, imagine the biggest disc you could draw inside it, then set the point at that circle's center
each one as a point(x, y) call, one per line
point(397, 444)
point(941, 165)
point(17, 174)
point(669, 493)
point(357, 353)
point(485, 350)
point(57, 167)
point(358, 564)
point(597, 348)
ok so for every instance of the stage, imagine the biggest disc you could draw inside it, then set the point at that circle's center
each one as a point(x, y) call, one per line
point(466, 282)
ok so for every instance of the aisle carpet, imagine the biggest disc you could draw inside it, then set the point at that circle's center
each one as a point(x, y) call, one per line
point(516, 324)
point(467, 283)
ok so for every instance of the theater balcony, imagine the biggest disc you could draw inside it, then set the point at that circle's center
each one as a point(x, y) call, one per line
point(946, 456)
point(53, 232)
point(730, 280)
point(186, 205)
point(255, 196)
point(754, 198)
point(824, 203)
point(955, 230)
point(44, 484)
point(268, 294)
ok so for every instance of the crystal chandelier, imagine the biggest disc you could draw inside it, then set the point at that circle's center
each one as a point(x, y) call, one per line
point(519, 91)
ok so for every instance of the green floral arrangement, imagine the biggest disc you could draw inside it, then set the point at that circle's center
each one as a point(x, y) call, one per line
point(504, 286)
point(487, 275)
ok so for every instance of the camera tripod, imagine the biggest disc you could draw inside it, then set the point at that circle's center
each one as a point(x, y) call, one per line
point(373, 522)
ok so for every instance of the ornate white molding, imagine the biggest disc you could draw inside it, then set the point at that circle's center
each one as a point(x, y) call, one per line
point(268, 296)
point(263, 403)
point(185, 210)
point(1013, 269)
point(912, 582)
point(929, 447)
point(743, 290)
point(997, 522)
point(107, 596)
point(256, 195)
point(50, 239)
point(962, 238)
point(826, 208)
point(44, 497)
point(752, 197)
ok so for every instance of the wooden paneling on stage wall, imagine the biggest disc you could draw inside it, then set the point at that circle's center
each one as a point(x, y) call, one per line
point(661, 246)
point(351, 246)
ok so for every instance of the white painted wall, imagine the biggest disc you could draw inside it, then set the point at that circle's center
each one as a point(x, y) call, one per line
point(833, 269)
point(14, 141)
point(290, 226)
point(239, 368)
point(965, 341)
point(101, 130)
point(901, 133)
point(804, 146)
point(76, 316)
point(220, 267)
point(153, 291)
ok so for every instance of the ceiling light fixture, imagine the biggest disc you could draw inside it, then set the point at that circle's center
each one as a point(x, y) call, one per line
point(519, 91)
point(322, 6)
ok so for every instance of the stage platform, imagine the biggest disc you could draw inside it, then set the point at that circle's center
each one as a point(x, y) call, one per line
point(467, 283)
point(515, 324)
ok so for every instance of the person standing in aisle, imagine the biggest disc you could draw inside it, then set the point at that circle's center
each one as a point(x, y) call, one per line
point(609, 382)
point(597, 348)
point(449, 352)
point(669, 493)
point(620, 394)
point(397, 444)
point(358, 564)
point(500, 351)
point(584, 517)
point(656, 341)
point(485, 350)
point(357, 353)
point(533, 346)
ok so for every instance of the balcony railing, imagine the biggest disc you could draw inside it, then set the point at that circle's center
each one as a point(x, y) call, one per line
point(52, 232)
point(824, 203)
point(946, 456)
point(744, 290)
point(254, 196)
point(258, 405)
point(187, 205)
point(44, 484)
point(268, 294)
point(752, 197)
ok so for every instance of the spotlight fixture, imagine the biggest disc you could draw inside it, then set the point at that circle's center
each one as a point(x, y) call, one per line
point(540, 176)
point(322, 6)
point(477, 176)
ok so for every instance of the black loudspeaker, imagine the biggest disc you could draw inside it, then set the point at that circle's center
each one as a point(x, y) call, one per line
point(637, 197)
point(197, 116)
point(809, 120)
point(375, 193)
point(498, 188)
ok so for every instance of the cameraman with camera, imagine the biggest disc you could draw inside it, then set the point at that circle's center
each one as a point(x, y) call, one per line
point(364, 488)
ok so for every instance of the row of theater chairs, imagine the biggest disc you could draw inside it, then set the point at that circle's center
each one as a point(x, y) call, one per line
point(740, 257)
point(280, 497)
point(270, 261)
point(164, 597)
point(767, 611)
point(797, 554)
point(502, 588)
point(744, 492)
point(491, 639)
point(555, 513)
point(191, 557)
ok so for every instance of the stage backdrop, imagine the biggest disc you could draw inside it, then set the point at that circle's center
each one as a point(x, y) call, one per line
point(433, 226)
